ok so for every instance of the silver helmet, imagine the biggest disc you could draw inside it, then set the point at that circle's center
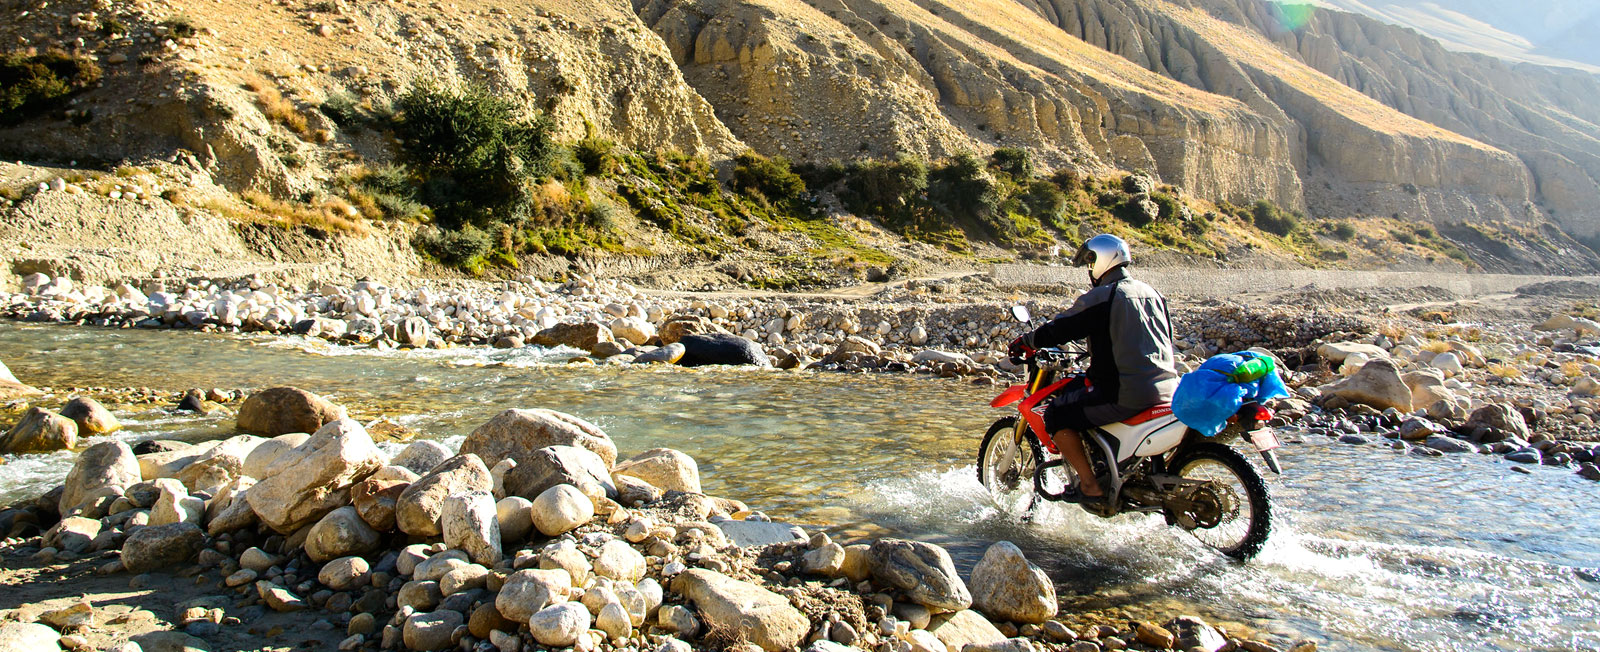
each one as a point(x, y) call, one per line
point(1102, 254)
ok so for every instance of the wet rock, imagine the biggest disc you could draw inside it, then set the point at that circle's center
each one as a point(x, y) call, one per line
point(1499, 417)
point(721, 349)
point(664, 468)
point(762, 617)
point(924, 572)
point(559, 625)
point(1155, 636)
point(1446, 444)
point(1377, 384)
point(560, 509)
point(585, 336)
point(155, 547)
point(666, 354)
point(282, 410)
point(92, 417)
point(431, 631)
point(469, 523)
point(528, 591)
point(104, 465)
point(421, 456)
point(40, 431)
point(345, 574)
point(421, 504)
point(340, 534)
point(314, 478)
point(1005, 586)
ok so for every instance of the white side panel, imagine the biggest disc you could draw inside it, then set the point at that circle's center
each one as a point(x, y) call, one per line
point(1165, 438)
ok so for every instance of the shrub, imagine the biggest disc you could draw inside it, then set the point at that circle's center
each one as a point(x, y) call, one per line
point(1405, 237)
point(821, 176)
point(474, 154)
point(1044, 201)
point(963, 188)
point(1344, 230)
point(33, 85)
point(181, 27)
point(886, 188)
point(1171, 207)
point(770, 177)
point(1067, 179)
point(1268, 217)
point(457, 248)
point(112, 27)
point(344, 110)
point(595, 155)
point(1013, 161)
point(279, 109)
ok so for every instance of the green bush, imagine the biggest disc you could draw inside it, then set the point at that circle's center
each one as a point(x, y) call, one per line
point(1344, 230)
point(1013, 161)
point(459, 247)
point(344, 110)
point(1067, 179)
point(886, 188)
point(1268, 217)
point(1043, 200)
point(34, 85)
point(1171, 207)
point(963, 188)
point(770, 177)
point(595, 155)
point(821, 176)
point(475, 156)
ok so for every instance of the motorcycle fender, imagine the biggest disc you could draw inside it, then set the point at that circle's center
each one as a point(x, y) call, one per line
point(1012, 394)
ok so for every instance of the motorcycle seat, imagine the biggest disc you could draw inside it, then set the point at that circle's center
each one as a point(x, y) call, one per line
point(1154, 412)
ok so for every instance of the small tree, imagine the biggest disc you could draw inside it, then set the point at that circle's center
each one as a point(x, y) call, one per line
point(770, 177)
point(1013, 161)
point(887, 188)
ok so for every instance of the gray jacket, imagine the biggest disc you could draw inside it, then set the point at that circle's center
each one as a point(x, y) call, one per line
point(1130, 340)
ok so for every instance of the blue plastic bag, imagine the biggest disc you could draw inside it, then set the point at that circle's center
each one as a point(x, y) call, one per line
point(1206, 398)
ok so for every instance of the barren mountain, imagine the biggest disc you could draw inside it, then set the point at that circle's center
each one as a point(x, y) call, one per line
point(1229, 99)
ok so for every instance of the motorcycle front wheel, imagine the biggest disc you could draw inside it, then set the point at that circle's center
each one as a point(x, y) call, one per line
point(1233, 512)
point(1006, 462)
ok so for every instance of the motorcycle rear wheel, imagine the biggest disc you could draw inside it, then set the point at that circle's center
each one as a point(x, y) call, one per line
point(1005, 465)
point(1241, 518)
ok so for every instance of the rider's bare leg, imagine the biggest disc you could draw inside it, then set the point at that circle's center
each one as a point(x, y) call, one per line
point(1071, 447)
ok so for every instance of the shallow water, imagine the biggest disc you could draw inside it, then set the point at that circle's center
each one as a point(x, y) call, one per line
point(1372, 550)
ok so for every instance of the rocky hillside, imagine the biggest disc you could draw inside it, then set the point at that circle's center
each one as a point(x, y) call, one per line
point(1234, 100)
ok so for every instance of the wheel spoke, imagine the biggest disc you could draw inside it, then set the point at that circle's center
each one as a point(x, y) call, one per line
point(1225, 506)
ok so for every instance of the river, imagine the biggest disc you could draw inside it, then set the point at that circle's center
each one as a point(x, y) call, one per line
point(1371, 549)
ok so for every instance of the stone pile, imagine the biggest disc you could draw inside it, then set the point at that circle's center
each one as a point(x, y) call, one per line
point(533, 536)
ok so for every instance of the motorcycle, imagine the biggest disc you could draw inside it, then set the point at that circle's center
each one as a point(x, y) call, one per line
point(1151, 463)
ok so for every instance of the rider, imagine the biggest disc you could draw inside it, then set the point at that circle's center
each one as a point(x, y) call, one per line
point(1131, 362)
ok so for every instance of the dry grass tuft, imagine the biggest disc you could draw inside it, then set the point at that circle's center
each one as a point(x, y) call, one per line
point(1504, 371)
point(1572, 369)
point(279, 109)
point(1436, 346)
point(332, 215)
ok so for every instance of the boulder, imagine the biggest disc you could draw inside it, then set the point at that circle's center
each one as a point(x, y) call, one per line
point(468, 522)
point(106, 464)
point(750, 534)
point(40, 431)
point(1447, 444)
point(827, 561)
point(586, 336)
point(613, 620)
point(1377, 384)
point(11, 388)
point(681, 326)
point(555, 465)
point(230, 509)
point(761, 617)
point(528, 591)
point(1447, 362)
point(376, 497)
point(27, 637)
point(345, 574)
point(664, 468)
point(1498, 416)
point(1005, 586)
point(73, 534)
point(420, 505)
point(1427, 387)
point(421, 456)
point(219, 465)
point(262, 460)
point(559, 625)
point(854, 345)
point(721, 349)
point(931, 356)
point(282, 410)
point(92, 417)
point(515, 515)
point(1336, 352)
point(560, 509)
point(924, 572)
point(516, 434)
point(167, 463)
point(341, 533)
point(962, 628)
point(619, 561)
point(154, 547)
point(315, 478)
point(175, 505)
point(563, 555)
point(633, 329)
point(431, 631)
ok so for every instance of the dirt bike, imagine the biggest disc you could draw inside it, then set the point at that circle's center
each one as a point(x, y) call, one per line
point(1151, 463)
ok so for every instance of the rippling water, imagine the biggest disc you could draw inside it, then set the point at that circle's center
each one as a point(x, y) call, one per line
point(1372, 549)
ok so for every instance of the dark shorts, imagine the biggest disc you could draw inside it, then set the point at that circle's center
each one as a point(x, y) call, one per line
point(1077, 407)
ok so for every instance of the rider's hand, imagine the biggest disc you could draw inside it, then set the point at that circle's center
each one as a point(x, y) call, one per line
point(1020, 349)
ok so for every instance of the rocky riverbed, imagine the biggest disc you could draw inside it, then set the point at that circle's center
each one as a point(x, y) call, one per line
point(531, 535)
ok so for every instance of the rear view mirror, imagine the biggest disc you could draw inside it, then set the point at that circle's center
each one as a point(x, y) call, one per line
point(1020, 313)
